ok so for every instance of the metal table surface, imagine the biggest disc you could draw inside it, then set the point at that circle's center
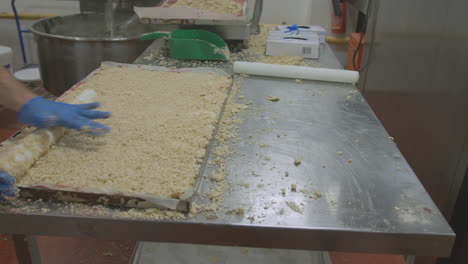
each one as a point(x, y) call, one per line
point(355, 191)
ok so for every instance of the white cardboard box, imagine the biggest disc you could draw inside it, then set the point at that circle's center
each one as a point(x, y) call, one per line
point(302, 47)
point(303, 29)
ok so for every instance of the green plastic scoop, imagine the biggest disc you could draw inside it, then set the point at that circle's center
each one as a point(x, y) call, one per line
point(193, 44)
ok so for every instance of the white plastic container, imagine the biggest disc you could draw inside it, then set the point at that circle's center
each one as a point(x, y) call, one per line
point(317, 29)
point(6, 57)
point(292, 46)
point(30, 75)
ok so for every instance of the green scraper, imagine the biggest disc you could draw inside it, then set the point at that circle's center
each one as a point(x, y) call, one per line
point(193, 44)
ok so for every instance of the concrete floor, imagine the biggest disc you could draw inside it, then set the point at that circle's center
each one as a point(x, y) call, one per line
point(59, 250)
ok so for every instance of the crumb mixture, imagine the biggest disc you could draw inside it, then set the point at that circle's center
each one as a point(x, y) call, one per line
point(215, 6)
point(283, 60)
point(161, 126)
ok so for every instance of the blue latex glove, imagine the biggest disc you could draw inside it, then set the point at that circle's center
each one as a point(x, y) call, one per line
point(43, 113)
point(7, 183)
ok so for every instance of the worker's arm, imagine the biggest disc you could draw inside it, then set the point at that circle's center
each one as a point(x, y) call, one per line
point(13, 94)
point(37, 111)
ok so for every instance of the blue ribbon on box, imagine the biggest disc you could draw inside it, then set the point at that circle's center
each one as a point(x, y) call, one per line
point(292, 28)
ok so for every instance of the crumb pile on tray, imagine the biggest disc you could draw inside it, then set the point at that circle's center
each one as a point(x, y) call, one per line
point(161, 126)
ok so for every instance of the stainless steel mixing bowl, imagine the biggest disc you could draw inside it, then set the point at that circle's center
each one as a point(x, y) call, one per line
point(70, 47)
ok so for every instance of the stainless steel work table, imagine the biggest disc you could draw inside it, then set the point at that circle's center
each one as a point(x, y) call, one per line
point(354, 188)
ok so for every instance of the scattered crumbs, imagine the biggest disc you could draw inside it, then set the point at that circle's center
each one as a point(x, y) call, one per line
point(398, 169)
point(213, 259)
point(294, 207)
point(397, 208)
point(217, 7)
point(297, 161)
point(273, 98)
point(263, 145)
point(339, 152)
point(286, 173)
point(298, 81)
point(392, 138)
point(283, 191)
point(317, 194)
point(108, 254)
point(293, 187)
point(245, 251)
point(246, 185)
point(350, 161)
point(217, 176)
point(281, 60)
point(241, 97)
point(324, 166)
point(251, 219)
point(333, 203)
point(348, 97)
point(237, 211)
point(212, 217)
point(260, 185)
point(278, 136)
point(281, 212)
point(267, 158)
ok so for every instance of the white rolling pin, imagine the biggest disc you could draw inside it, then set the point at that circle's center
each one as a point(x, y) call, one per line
point(296, 72)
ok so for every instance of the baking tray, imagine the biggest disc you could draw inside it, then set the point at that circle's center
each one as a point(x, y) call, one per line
point(164, 14)
point(111, 197)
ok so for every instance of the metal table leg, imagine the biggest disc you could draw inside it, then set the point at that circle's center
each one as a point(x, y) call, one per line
point(26, 248)
point(410, 259)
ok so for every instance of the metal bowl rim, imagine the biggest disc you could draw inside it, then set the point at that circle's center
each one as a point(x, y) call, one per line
point(84, 39)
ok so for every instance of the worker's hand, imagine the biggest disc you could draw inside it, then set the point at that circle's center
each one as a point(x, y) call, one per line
point(43, 113)
point(7, 183)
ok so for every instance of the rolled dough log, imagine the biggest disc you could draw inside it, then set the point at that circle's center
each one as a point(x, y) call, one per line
point(18, 156)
